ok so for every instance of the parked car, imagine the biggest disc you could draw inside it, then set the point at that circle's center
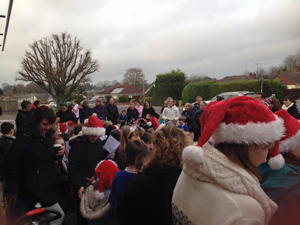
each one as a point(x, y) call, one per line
point(52, 105)
point(92, 103)
point(227, 95)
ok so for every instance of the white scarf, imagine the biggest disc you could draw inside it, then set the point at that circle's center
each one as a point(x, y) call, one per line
point(286, 108)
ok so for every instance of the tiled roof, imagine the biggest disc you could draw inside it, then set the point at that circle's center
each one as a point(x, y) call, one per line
point(126, 89)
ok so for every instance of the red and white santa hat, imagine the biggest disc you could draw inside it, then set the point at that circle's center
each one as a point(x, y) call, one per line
point(105, 173)
point(65, 127)
point(155, 124)
point(70, 124)
point(291, 138)
point(93, 126)
point(241, 120)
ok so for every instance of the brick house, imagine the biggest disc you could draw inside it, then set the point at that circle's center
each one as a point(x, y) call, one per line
point(122, 89)
point(251, 76)
point(291, 79)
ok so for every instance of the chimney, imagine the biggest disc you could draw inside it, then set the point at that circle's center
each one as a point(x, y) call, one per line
point(296, 69)
point(252, 76)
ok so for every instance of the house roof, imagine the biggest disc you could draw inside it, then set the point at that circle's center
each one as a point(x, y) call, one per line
point(122, 89)
point(293, 76)
point(235, 78)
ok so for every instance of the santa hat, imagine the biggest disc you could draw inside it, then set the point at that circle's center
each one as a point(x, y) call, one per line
point(93, 126)
point(240, 120)
point(63, 128)
point(105, 173)
point(291, 138)
point(155, 124)
point(70, 124)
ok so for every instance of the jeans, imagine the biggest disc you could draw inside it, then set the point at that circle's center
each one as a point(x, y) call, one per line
point(57, 208)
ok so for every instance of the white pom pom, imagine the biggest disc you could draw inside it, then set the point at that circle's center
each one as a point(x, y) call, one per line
point(277, 162)
point(193, 155)
point(149, 124)
point(99, 195)
point(85, 121)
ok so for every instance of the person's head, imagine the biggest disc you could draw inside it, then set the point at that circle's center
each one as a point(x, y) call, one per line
point(26, 106)
point(242, 122)
point(117, 134)
point(77, 129)
point(133, 149)
point(138, 104)
point(203, 105)
point(170, 102)
point(220, 98)
point(60, 140)
point(160, 117)
point(93, 129)
point(109, 129)
point(168, 144)
point(166, 103)
point(85, 103)
point(141, 160)
point(198, 100)
point(43, 118)
point(74, 101)
point(99, 103)
point(7, 129)
point(288, 100)
point(37, 103)
point(187, 106)
point(181, 120)
point(132, 107)
point(107, 123)
point(147, 104)
point(63, 106)
point(148, 116)
point(131, 101)
point(274, 105)
point(111, 101)
point(123, 112)
point(147, 138)
point(134, 133)
point(260, 96)
point(150, 131)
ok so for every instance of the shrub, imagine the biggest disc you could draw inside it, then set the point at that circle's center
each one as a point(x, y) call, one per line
point(192, 90)
point(123, 98)
point(142, 101)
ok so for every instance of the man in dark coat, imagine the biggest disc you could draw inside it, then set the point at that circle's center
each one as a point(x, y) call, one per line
point(23, 116)
point(132, 113)
point(28, 166)
point(112, 112)
point(65, 114)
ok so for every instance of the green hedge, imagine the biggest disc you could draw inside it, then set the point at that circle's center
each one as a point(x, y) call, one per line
point(210, 89)
point(123, 98)
point(147, 99)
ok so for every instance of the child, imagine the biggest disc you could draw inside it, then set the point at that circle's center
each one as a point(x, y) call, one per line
point(182, 124)
point(107, 123)
point(7, 129)
point(134, 133)
point(148, 117)
point(141, 160)
point(122, 118)
point(132, 149)
point(94, 204)
point(147, 138)
point(161, 120)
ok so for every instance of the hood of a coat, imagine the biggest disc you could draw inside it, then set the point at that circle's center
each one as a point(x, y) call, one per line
point(207, 164)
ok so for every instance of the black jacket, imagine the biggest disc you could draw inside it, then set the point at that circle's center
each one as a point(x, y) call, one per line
point(150, 111)
point(147, 198)
point(5, 143)
point(23, 118)
point(132, 114)
point(293, 111)
point(29, 167)
point(84, 113)
point(112, 113)
point(66, 116)
point(83, 159)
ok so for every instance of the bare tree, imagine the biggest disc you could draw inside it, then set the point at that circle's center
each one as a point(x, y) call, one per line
point(289, 61)
point(57, 65)
point(134, 76)
point(246, 72)
point(273, 71)
point(195, 78)
point(260, 72)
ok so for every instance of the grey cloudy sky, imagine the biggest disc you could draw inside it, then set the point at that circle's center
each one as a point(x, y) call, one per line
point(217, 38)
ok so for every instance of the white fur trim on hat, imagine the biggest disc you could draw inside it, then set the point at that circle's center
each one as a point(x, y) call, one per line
point(193, 155)
point(250, 133)
point(99, 195)
point(290, 143)
point(159, 127)
point(149, 124)
point(85, 121)
point(276, 162)
point(96, 131)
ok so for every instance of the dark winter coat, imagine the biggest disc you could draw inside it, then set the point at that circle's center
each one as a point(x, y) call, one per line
point(29, 168)
point(83, 159)
point(23, 118)
point(293, 111)
point(150, 111)
point(197, 125)
point(132, 114)
point(84, 113)
point(66, 116)
point(101, 111)
point(189, 113)
point(5, 143)
point(195, 108)
point(112, 113)
point(147, 197)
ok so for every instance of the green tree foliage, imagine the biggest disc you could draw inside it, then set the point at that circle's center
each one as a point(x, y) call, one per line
point(169, 84)
point(151, 92)
point(123, 98)
point(210, 89)
point(15, 90)
point(1, 92)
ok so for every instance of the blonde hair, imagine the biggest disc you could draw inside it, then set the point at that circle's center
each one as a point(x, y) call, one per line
point(107, 123)
point(189, 105)
point(121, 160)
point(168, 145)
point(101, 103)
point(85, 102)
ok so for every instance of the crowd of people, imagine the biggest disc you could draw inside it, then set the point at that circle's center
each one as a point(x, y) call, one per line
point(141, 167)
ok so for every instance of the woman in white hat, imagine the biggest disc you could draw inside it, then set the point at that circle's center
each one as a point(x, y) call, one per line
point(219, 183)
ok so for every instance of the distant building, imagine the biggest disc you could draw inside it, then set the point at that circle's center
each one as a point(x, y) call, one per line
point(122, 89)
point(291, 79)
point(251, 76)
